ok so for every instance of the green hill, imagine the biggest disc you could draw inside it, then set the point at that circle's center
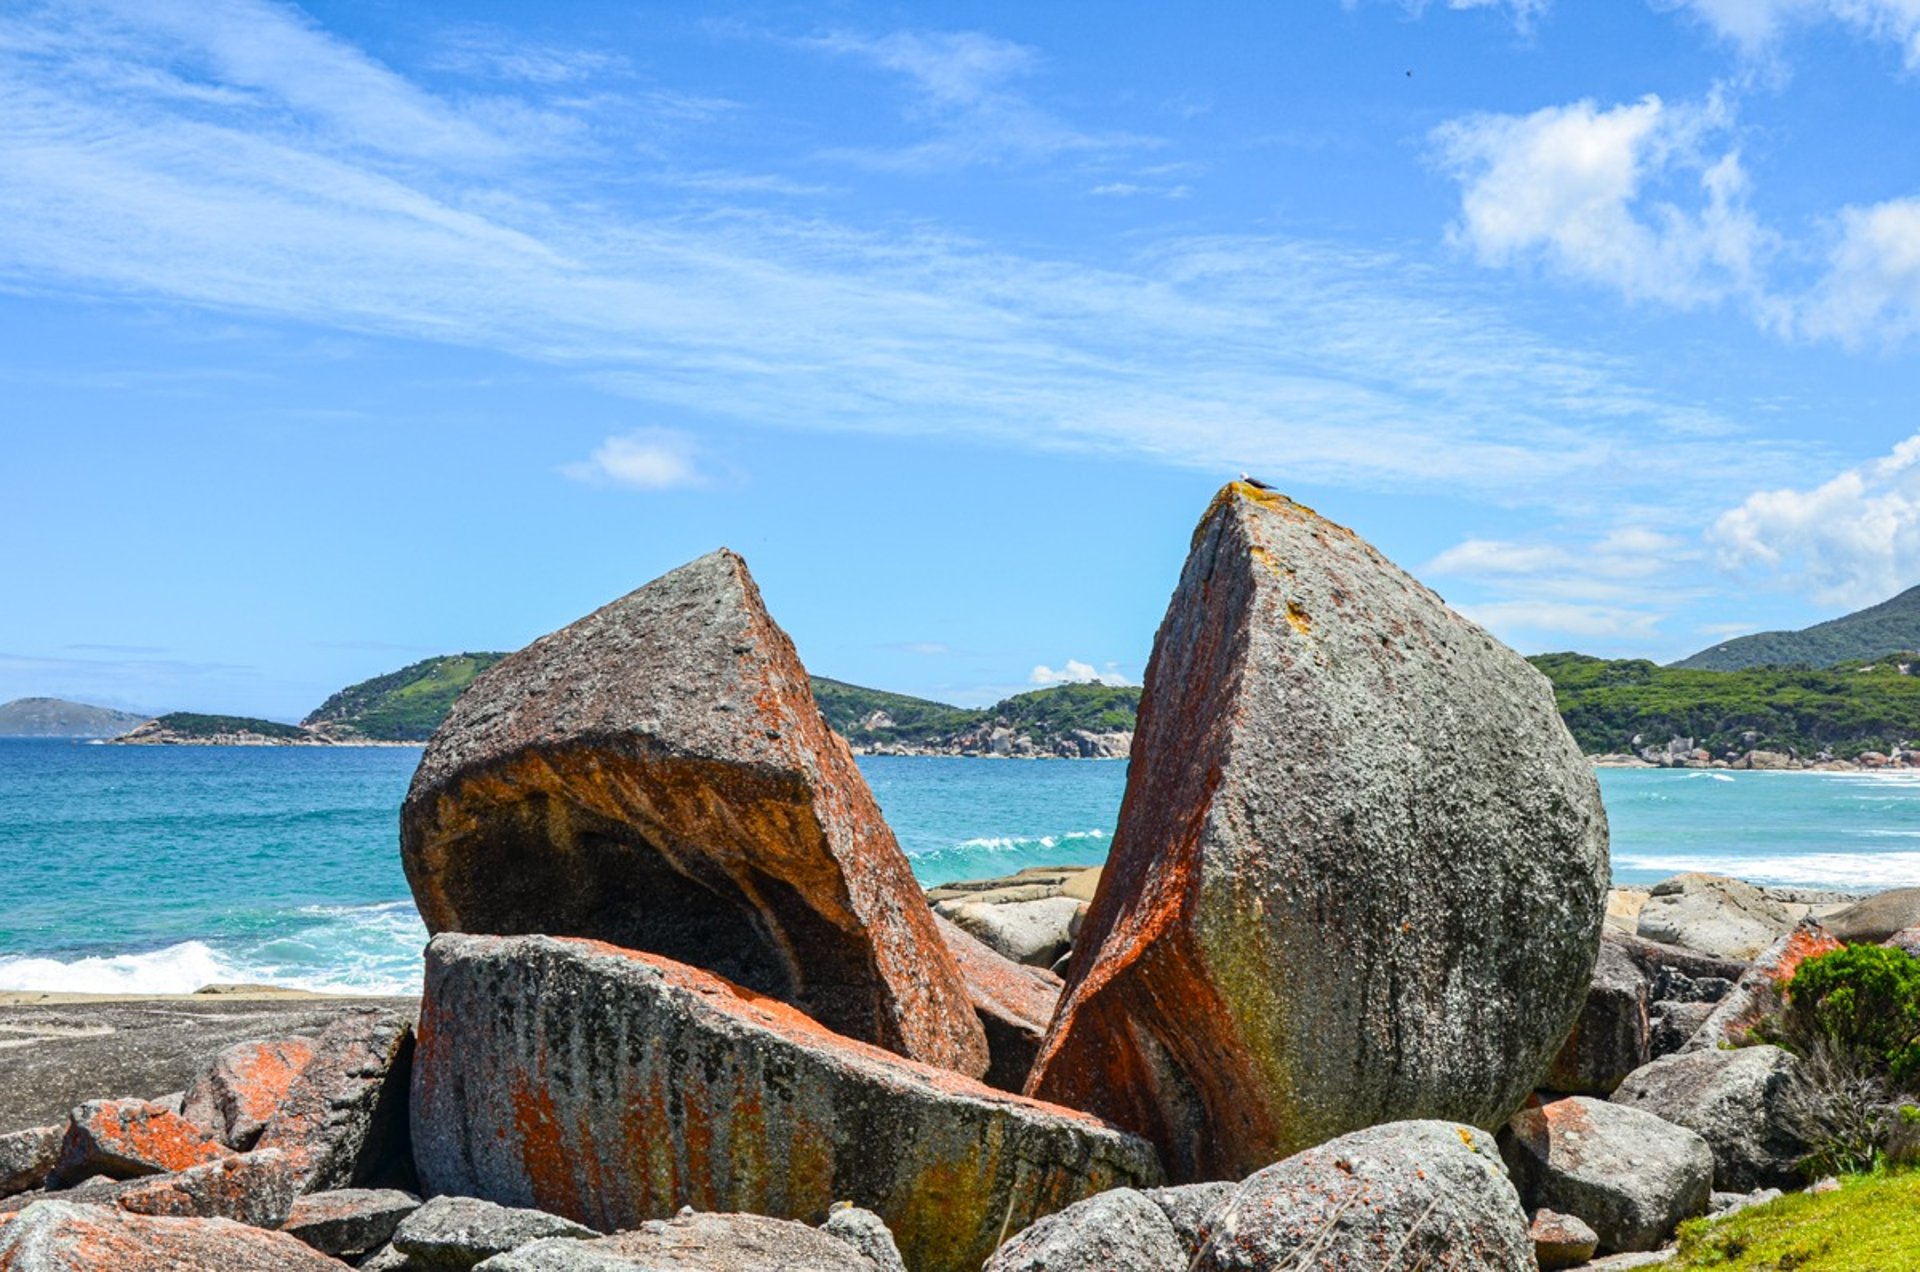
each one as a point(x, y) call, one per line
point(191, 725)
point(1848, 708)
point(1049, 718)
point(1875, 632)
point(401, 706)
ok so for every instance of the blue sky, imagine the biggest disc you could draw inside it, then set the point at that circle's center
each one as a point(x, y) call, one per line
point(339, 335)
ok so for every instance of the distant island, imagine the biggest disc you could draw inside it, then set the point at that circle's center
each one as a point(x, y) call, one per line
point(57, 718)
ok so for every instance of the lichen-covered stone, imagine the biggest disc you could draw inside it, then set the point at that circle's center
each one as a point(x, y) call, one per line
point(1740, 1100)
point(123, 1139)
point(1630, 1175)
point(233, 1097)
point(349, 1222)
point(343, 1119)
point(1189, 1206)
point(658, 776)
point(1013, 1001)
point(613, 1086)
point(867, 1233)
point(60, 1236)
point(1360, 869)
point(256, 1189)
point(1561, 1241)
point(1762, 988)
point(1422, 1194)
point(27, 1157)
point(452, 1234)
point(1115, 1231)
point(1612, 1036)
point(693, 1243)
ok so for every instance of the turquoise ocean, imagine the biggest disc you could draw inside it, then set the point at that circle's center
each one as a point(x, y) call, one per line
point(159, 869)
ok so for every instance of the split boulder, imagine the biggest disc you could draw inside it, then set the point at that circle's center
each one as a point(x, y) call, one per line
point(343, 1119)
point(1360, 869)
point(613, 1086)
point(234, 1096)
point(658, 776)
point(1740, 1100)
point(1631, 1176)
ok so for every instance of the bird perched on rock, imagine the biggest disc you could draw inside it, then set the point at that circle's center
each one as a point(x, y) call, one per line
point(1255, 482)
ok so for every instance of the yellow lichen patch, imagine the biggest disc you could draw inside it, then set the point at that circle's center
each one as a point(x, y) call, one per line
point(1297, 618)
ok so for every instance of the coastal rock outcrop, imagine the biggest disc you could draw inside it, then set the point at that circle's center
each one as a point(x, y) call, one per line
point(1714, 914)
point(1431, 1195)
point(1360, 869)
point(60, 1236)
point(1629, 1175)
point(612, 1086)
point(343, 1119)
point(1740, 1100)
point(657, 775)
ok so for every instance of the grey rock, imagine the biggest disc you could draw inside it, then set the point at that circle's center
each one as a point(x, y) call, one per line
point(1723, 1205)
point(1630, 1175)
point(1035, 932)
point(1876, 918)
point(1635, 1259)
point(1714, 914)
point(235, 1095)
point(256, 1189)
point(63, 1054)
point(1313, 919)
point(452, 1234)
point(1658, 962)
point(1190, 1206)
point(1673, 1025)
point(1675, 986)
point(1431, 1195)
point(693, 1243)
point(1611, 1038)
point(388, 1259)
point(61, 1236)
point(1761, 990)
point(1561, 1241)
point(1739, 1100)
point(27, 1157)
point(1114, 1231)
point(867, 1233)
point(611, 1085)
point(344, 1118)
point(349, 1222)
point(657, 775)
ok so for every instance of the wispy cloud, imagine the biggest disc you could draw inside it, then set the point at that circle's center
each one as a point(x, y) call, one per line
point(1075, 672)
point(1757, 26)
point(646, 459)
point(494, 53)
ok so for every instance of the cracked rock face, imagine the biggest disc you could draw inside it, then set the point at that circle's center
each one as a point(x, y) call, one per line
point(658, 776)
point(1360, 869)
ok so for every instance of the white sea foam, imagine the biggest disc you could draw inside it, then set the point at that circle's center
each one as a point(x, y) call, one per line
point(1839, 870)
point(177, 969)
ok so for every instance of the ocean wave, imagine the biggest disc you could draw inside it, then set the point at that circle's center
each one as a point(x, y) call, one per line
point(990, 855)
point(1839, 870)
point(177, 969)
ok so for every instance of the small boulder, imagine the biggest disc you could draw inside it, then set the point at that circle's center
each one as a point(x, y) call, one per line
point(1761, 990)
point(1714, 914)
point(1431, 1195)
point(1114, 1231)
point(349, 1222)
point(1873, 920)
point(1630, 1175)
point(343, 1119)
point(612, 1086)
point(693, 1243)
point(28, 1157)
point(1740, 1100)
point(452, 1234)
point(866, 1232)
point(60, 1236)
point(1723, 1205)
point(1314, 918)
point(234, 1096)
point(1561, 1241)
point(123, 1139)
point(256, 1189)
point(1013, 1002)
point(1035, 932)
point(658, 775)
point(1611, 1037)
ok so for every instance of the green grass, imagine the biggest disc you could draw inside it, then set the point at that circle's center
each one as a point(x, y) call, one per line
point(1871, 1225)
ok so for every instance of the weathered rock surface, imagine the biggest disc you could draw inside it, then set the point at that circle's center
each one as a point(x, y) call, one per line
point(1714, 914)
point(1014, 1003)
point(657, 775)
point(1630, 1175)
point(1035, 932)
point(235, 1095)
point(123, 1139)
point(344, 1118)
point(27, 1157)
point(867, 1233)
point(1761, 989)
point(59, 1236)
point(1561, 1241)
point(613, 1086)
point(251, 1188)
point(452, 1234)
point(1671, 1025)
point(1311, 919)
point(1115, 1231)
point(349, 1222)
point(1190, 1206)
point(1424, 1194)
point(1739, 1100)
point(1876, 918)
point(64, 1053)
point(1611, 1037)
point(693, 1243)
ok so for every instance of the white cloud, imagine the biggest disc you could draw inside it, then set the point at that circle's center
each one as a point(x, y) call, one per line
point(1524, 624)
point(1624, 553)
point(1871, 291)
point(1758, 25)
point(1129, 189)
point(1076, 672)
point(1573, 186)
point(648, 459)
point(1852, 540)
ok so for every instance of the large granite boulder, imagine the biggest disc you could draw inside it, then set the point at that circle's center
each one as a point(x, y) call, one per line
point(1630, 1175)
point(1119, 1230)
point(59, 1236)
point(613, 1086)
point(1612, 1036)
point(658, 776)
point(1013, 1001)
point(1740, 1100)
point(1714, 914)
point(1360, 869)
point(1427, 1195)
point(693, 1243)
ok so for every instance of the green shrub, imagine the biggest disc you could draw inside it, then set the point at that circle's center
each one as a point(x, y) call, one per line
point(1863, 1002)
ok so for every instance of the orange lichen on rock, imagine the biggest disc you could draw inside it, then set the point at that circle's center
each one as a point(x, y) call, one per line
point(59, 1236)
point(123, 1139)
point(236, 1095)
point(1013, 1001)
